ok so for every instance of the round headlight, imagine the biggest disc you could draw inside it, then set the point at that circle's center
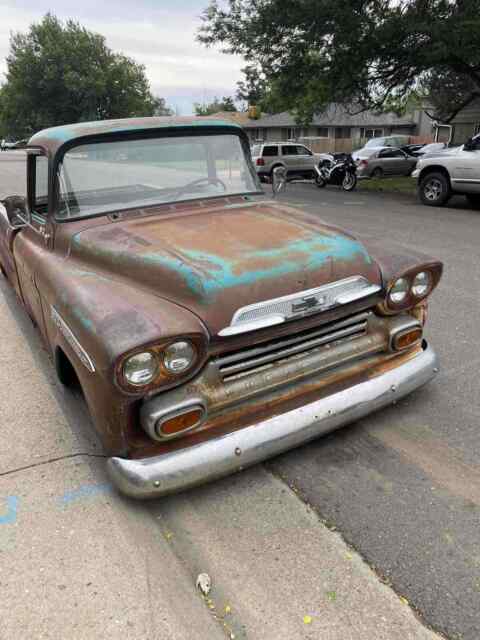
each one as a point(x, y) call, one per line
point(178, 357)
point(140, 369)
point(421, 284)
point(399, 291)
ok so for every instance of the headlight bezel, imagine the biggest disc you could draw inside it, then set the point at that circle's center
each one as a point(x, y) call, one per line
point(390, 307)
point(164, 378)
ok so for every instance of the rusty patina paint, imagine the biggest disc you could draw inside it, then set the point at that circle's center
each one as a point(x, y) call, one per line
point(216, 262)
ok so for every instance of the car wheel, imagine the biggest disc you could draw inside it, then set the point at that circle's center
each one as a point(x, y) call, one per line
point(435, 190)
point(474, 200)
point(377, 172)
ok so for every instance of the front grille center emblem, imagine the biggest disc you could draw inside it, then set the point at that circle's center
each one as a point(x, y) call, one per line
point(307, 304)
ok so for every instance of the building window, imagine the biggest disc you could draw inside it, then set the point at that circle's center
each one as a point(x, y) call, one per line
point(293, 133)
point(343, 132)
point(370, 133)
point(258, 134)
point(322, 132)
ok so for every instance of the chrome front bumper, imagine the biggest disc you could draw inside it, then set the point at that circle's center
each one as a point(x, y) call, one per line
point(192, 466)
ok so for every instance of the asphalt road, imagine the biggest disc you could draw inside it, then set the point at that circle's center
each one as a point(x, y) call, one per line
point(402, 487)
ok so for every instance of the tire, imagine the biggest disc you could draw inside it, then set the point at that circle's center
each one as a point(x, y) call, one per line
point(377, 172)
point(474, 200)
point(434, 189)
point(349, 182)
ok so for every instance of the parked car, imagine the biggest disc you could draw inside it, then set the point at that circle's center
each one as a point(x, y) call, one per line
point(381, 163)
point(208, 326)
point(442, 175)
point(412, 149)
point(433, 147)
point(379, 143)
point(297, 159)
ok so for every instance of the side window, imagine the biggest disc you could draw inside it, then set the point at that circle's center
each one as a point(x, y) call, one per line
point(270, 151)
point(386, 154)
point(303, 151)
point(398, 154)
point(290, 150)
point(40, 198)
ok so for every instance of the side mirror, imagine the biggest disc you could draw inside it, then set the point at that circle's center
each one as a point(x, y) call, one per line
point(17, 211)
point(279, 180)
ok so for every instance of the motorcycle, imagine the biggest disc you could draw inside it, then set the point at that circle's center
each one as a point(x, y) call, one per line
point(341, 170)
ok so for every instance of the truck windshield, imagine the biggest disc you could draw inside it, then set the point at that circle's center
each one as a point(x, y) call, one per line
point(110, 176)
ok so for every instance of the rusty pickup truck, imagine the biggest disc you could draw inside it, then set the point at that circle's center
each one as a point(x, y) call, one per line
point(209, 325)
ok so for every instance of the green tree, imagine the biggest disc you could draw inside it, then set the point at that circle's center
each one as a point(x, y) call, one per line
point(59, 73)
point(160, 108)
point(369, 53)
point(225, 104)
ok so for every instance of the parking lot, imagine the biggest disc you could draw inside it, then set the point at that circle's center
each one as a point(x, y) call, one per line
point(333, 540)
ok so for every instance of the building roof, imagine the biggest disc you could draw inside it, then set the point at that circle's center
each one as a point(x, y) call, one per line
point(54, 138)
point(336, 115)
point(238, 117)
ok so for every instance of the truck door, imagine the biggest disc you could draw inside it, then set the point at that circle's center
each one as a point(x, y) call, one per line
point(31, 246)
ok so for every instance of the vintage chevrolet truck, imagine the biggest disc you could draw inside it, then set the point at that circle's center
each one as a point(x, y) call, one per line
point(208, 325)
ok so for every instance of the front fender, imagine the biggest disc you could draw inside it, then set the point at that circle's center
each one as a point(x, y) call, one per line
point(393, 260)
point(109, 317)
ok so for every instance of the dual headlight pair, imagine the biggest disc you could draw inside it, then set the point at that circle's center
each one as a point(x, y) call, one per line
point(405, 288)
point(175, 359)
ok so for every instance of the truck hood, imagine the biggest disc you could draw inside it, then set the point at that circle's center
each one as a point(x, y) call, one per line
point(216, 261)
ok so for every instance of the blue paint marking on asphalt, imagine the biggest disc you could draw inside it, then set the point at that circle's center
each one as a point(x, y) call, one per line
point(11, 515)
point(84, 491)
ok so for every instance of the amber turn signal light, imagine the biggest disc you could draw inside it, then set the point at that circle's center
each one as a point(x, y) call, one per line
point(181, 422)
point(406, 339)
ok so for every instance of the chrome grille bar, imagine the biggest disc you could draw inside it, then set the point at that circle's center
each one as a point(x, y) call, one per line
point(260, 356)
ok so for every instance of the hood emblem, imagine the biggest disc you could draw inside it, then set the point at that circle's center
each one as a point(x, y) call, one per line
point(279, 310)
point(309, 303)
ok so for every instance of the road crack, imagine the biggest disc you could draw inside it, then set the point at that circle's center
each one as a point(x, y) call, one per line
point(50, 461)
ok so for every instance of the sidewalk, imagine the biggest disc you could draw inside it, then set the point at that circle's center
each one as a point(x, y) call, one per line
point(78, 561)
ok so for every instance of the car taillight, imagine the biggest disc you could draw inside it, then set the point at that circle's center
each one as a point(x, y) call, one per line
point(260, 162)
point(363, 163)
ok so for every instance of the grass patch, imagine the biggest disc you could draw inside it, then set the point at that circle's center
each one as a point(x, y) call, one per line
point(392, 185)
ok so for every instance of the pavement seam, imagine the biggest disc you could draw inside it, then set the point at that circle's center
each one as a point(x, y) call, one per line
point(50, 460)
point(331, 527)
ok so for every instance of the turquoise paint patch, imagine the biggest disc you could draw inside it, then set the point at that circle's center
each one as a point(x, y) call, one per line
point(193, 280)
point(10, 516)
point(220, 273)
point(84, 491)
point(86, 322)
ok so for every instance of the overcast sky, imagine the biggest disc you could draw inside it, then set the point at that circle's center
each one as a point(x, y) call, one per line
point(158, 33)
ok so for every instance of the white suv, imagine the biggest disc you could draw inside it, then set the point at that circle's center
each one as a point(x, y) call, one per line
point(444, 174)
point(298, 160)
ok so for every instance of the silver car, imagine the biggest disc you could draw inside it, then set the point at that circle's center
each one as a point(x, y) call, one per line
point(384, 162)
point(298, 161)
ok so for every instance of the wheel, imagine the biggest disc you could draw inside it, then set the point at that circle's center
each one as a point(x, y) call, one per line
point(377, 172)
point(474, 200)
point(434, 189)
point(349, 182)
point(320, 182)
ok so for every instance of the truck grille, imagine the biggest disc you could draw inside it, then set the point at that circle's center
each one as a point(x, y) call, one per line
point(251, 360)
